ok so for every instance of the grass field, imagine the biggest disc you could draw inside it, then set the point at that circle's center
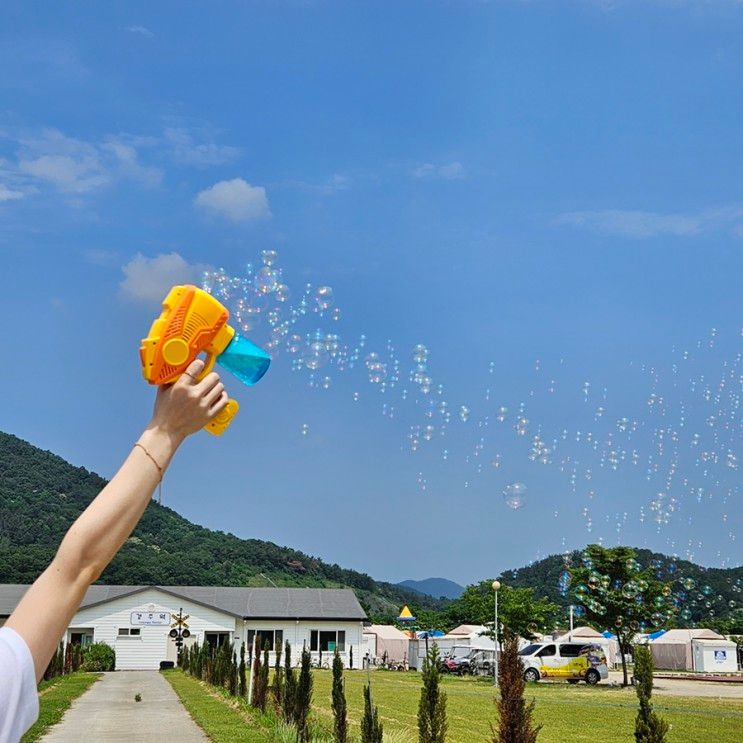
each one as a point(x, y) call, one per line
point(569, 714)
point(223, 718)
point(55, 698)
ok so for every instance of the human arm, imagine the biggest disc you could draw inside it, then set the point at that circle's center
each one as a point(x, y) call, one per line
point(46, 609)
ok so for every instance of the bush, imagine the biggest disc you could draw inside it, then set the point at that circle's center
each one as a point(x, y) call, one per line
point(649, 728)
point(99, 657)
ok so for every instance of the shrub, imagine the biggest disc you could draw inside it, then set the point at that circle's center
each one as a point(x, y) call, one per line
point(340, 723)
point(371, 727)
point(515, 724)
point(99, 657)
point(649, 728)
point(432, 705)
point(303, 697)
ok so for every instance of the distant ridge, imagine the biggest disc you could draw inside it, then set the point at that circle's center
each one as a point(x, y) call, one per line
point(436, 587)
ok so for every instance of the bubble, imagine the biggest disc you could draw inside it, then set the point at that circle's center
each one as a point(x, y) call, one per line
point(657, 619)
point(464, 413)
point(594, 581)
point(282, 293)
point(315, 355)
point(269, 257)
point(335, 314)
point(502, 413)
point(305, 429)
point(688, 583)
point(326, 383)
point(324, 297)
point(686, 614)
point(633, 566)
point(578, 610)
point(630, 590)
point(514, 495)
point(420, 354)
point(356, 396)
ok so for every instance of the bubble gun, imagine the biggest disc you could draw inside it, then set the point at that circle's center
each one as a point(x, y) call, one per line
point(194, 323)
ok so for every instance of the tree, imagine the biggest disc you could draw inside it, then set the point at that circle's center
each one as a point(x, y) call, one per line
point(371, 727)
point(340, 723)
point(649, 728)
point(613, 591)
point(432, 706)
point(518, 609)
point(242, 684)
point(278, 682)
point(514, 715)
point(303, 697)
point(259, 690)
point(233, 674)
point(290, 685)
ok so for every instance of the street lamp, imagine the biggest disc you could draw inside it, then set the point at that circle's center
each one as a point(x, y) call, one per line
point(496, 588)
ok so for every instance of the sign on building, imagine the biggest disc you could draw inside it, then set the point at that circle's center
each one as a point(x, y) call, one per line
point(150, 618)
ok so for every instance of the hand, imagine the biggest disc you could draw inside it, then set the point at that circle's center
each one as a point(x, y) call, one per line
point(187, 406)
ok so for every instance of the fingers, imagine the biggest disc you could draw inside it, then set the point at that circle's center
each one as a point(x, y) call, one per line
point(214, 394)
point(207, 384)
point(192, 372)
point(220, 404)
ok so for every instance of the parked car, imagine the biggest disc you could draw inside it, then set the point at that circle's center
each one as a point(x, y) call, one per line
point(572, 661)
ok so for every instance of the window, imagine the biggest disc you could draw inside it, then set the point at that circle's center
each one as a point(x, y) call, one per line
point(546, 652)
point(328, 640)
point(129, 632)
point(270, 639)
point(529, 649)
point(570, 651)
point(215, 639)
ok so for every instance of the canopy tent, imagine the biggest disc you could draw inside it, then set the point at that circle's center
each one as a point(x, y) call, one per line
point(673, 649)
point(389, 640)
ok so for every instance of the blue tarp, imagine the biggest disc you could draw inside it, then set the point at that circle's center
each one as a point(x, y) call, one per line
point(429, 633)
point(609, 635)
point(656, 635)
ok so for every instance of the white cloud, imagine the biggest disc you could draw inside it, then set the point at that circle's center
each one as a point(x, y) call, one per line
point(8, 194)
point(641, 224)
point(127, 160)
point(141, 30)
point(236, 200)
point(188, 151)
point(73, 166)
point(449, 171)
point(149, 279)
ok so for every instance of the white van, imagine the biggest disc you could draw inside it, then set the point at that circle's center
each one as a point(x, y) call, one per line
point(572, 661)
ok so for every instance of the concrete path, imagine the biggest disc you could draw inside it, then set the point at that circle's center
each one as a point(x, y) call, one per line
point(108, 712)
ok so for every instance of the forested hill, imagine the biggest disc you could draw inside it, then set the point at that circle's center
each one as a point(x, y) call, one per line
point(41, 494)
point(716, 586)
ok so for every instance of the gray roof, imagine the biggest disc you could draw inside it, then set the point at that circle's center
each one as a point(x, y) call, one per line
point(247, 603)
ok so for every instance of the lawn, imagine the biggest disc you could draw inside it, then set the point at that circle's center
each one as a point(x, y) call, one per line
point(55, 698)
point(569, 714)
point(223, 718)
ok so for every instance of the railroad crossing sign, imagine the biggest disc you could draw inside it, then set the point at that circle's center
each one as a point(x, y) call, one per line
point(180, 631)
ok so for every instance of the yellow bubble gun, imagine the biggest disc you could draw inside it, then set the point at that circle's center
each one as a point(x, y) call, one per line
point(193, 323)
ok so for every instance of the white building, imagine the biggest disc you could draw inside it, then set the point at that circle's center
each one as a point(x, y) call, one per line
point(136, 620)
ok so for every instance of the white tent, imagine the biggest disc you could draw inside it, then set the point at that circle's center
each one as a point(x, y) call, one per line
point(673, 649)
point(389, 640)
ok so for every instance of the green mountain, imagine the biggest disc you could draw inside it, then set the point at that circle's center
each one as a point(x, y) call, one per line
point(709, 593)
point(41, 495)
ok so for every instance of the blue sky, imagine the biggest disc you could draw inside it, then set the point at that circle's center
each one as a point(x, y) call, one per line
point(502, 181)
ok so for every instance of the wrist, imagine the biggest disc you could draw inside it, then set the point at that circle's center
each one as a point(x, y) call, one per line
point(162, 439)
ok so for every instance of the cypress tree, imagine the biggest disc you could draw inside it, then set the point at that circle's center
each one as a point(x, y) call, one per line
point(649, 728)
point(290, 685)
point(371, 727)
point(278, 682)
point(242, 688)
point(303, 697)
point(432, 706)
point(68, 658)
point(259, 697)
point(264, 680)
point(340, 723)
point(233, 673)
point(515, 724)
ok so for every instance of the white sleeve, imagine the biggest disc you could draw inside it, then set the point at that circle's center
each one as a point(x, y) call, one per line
point(19, 702)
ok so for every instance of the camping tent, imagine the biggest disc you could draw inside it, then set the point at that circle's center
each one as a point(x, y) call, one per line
point(673, 649)
point(389, 640)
